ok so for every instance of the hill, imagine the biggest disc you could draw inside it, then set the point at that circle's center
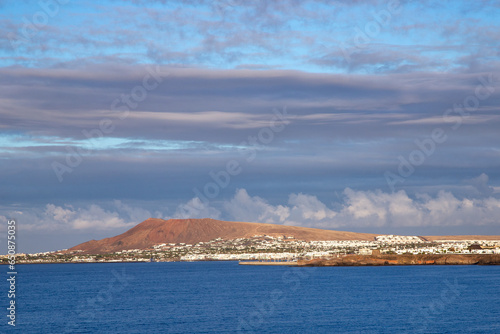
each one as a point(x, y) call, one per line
point(190, 231)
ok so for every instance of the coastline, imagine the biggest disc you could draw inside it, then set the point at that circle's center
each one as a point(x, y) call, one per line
point(346, 261)
point(404, 260)
point(268, 263)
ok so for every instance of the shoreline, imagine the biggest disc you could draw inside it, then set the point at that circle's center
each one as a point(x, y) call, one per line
point(344, 261)
point(268, 263)
point(403, 260)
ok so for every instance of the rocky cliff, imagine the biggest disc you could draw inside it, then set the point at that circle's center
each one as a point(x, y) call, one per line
point(404, 260)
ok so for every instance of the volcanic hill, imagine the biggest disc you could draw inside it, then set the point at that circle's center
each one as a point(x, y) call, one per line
point(190, 231)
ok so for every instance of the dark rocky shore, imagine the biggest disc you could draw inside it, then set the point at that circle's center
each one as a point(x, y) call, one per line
point(404, 260)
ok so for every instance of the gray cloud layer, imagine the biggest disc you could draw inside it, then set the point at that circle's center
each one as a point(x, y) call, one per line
point(344, 131)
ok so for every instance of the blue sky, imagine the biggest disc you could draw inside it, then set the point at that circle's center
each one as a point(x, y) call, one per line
point(372, 116)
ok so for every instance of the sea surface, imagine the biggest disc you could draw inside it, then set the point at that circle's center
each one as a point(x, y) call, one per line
point(224, 297)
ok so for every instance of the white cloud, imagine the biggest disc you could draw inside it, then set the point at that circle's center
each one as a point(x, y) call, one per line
point(91, 217)
point(357, 209)
point(308, 210)
point(398, 209)
point(367, 208)
point(96, 217)
point(195, 208)
point(58, 213)
point(481, 184)
point(135, 213)
point(362, 205)
point(243, 207)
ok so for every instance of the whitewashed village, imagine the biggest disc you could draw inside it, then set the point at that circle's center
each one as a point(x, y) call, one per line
point(269, 248)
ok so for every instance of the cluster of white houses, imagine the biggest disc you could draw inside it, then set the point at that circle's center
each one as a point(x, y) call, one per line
point(282, 248)
point(399, 239)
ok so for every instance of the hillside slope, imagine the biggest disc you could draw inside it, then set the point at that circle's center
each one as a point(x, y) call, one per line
point(190, 231)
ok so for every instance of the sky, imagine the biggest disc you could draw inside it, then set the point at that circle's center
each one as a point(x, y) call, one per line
point(367, 116)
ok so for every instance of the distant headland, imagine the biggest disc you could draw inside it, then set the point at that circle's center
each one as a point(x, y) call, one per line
point(210, 239)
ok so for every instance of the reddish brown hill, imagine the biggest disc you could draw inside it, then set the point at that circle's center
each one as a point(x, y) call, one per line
point(156, 231)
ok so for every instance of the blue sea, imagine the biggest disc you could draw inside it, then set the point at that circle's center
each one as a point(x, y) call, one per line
point(224, 297)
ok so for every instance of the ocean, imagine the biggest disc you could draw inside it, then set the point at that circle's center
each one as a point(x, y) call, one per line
point(224, 297)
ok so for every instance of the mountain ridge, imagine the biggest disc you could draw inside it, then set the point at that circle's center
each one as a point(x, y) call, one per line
point(155, 231)
point(190, 231)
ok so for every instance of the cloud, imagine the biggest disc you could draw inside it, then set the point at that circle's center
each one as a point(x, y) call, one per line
point(379, 209)
point(230, 33)
point(134, 213)
point(307, 208)
point(243, 207)
point(97, 218)
point(367, 209)
point(357, 209)
point(195, 208)
point(342, 128)
point(91, 217)
point(481, 184)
